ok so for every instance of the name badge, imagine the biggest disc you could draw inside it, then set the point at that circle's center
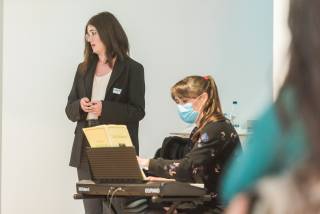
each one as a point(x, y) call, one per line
point(117, 90)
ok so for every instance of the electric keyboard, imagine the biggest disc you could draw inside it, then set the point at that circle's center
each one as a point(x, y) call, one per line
point(161, 189)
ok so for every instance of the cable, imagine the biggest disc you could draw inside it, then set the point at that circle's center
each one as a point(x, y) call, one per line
point(112, 194)
point(109, 192)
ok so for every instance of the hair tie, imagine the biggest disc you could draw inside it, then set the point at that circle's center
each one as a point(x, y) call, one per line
point(206, 77)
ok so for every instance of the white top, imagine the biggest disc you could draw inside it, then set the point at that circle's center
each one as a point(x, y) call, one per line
point(99, 88)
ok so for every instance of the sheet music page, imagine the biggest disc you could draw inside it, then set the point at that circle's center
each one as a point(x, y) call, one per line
point(96, 136)
point(118, 135)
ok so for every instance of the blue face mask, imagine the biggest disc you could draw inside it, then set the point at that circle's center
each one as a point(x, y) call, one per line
point(187, 114)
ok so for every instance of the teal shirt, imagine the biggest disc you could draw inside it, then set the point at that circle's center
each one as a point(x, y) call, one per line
point(270, 150)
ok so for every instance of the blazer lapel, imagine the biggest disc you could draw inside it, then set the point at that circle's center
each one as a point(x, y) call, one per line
point(117, 71)
point(89, 78)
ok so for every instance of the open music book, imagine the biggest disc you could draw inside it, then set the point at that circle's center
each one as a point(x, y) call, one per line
point(108, 136)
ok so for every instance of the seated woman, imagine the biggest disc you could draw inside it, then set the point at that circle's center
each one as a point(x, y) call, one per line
point(214, 139)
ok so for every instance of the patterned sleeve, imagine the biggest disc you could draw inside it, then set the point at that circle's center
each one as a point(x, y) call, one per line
point(174, 169)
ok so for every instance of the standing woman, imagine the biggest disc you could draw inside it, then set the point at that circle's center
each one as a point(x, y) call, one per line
point(214, 140)
point(108, 88)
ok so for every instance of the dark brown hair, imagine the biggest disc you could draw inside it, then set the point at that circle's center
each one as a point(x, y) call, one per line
point(304, 68)
point(111, 34)
point(193, 87)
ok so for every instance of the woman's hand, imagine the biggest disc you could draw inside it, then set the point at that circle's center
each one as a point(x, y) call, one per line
point(96, 107)
point(85, 104)
point(143, 163)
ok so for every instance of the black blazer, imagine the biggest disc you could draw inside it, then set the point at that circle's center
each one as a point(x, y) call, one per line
point(123, 104)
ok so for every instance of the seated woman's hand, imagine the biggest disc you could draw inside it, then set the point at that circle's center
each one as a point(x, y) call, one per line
point(143, 162)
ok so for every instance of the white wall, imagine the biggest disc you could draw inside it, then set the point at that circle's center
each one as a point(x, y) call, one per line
point(43, 43)
point(281, 42)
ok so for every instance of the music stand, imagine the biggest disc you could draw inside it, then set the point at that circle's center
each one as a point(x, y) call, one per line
point(114, 165)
